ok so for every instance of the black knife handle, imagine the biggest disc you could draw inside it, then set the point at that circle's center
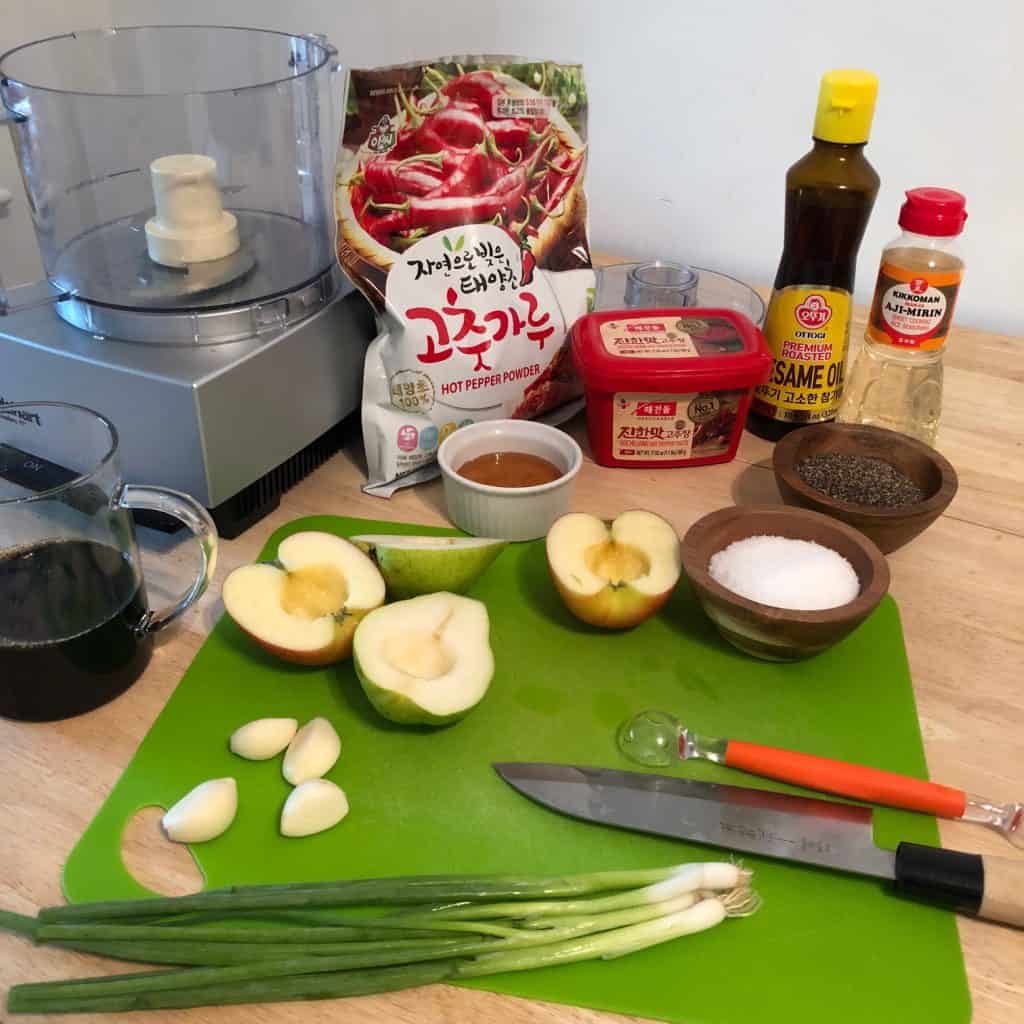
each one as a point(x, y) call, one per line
point(951, 879)
point(990, 887)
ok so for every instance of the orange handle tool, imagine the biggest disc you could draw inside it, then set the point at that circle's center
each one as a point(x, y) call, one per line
point(845, 779)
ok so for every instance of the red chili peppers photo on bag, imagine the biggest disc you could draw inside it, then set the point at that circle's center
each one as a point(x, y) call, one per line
point(462, 218)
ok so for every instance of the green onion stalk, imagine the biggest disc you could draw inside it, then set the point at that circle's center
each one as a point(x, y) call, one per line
point(448, 932)
point(415, 889)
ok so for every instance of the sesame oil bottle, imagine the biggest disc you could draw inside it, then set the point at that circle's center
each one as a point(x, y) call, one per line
point(830, 193)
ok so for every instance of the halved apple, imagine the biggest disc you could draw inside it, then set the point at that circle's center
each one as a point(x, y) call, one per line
point(614, 574)
point(305, 608)
point(427, 660)
point(424, 565)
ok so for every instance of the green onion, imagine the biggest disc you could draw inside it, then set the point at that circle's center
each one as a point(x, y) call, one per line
point(363, 892)
point(196, 977)
point(184, 953)
point(607, 945)
point(18, 923)
point(269, 990)
point(686, 878)
point(446, 931)
point(285, 933)
point(315, 916)
point(616, 935)
point(202, 954)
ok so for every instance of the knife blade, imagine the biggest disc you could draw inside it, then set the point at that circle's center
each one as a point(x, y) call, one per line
point(819, 832)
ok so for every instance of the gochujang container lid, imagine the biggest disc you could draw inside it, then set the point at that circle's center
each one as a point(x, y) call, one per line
point(677, 350)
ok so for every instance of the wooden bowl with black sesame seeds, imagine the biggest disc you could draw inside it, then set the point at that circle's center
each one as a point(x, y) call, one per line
point(888, 486)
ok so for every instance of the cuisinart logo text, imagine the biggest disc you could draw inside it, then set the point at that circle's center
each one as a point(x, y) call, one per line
point(18, 415)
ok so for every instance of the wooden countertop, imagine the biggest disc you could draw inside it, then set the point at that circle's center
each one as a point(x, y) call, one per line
point(959, 590)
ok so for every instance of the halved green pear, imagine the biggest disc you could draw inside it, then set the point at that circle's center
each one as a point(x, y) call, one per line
point(426, 660)
point(425, 565)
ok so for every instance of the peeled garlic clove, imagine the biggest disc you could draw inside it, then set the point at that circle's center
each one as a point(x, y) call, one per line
point(204, 813)
point(312, 807)
point(312, 752)
point(264, 738)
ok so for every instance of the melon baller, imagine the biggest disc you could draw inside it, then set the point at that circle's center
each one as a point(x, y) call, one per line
point(656, 738)
point(180, 182)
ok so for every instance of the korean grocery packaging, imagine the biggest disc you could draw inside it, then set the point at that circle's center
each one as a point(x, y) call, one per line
point(462, 218)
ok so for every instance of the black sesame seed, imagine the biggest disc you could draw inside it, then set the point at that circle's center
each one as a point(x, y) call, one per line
point(859, 479)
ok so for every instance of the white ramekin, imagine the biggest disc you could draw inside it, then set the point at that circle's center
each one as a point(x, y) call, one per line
point(509, 513)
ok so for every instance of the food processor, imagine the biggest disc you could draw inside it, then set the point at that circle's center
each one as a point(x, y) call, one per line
point(180, 181)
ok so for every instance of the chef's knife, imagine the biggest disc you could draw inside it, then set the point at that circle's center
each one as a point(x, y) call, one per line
point(819, 832)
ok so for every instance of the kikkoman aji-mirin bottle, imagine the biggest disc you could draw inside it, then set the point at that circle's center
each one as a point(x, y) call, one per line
point(896, 381)
point(829, 196)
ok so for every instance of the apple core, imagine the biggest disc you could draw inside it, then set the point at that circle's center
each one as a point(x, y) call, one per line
point(617, 563)
point(613, 574)
point(314, 591)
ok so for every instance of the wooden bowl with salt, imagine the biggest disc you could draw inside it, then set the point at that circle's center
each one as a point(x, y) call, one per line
point(889, 527)
point(762, 630)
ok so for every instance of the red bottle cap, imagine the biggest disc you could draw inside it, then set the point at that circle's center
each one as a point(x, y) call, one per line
point(934, 211)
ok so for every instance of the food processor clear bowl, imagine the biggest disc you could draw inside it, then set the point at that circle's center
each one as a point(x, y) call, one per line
point(90, 111)
point(696, 286)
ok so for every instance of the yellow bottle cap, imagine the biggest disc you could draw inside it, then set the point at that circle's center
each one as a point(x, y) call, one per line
point(846, 104)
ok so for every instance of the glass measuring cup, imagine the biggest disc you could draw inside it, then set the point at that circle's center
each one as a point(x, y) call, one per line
point(75, 626)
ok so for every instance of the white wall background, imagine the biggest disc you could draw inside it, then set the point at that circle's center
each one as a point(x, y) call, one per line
point(698, 107)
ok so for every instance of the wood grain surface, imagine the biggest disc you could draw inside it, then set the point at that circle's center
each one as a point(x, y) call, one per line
point(959, 588)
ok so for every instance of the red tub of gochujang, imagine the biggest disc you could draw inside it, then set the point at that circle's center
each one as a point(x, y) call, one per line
point(667, 387)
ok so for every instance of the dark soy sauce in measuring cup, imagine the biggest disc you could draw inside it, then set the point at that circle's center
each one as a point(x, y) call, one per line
point(75, 629)
point(70, 636)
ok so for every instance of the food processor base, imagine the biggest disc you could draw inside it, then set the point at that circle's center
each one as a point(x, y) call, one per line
point(242, 510)
point(235, 425)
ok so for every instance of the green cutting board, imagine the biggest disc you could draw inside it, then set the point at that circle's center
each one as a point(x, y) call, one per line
point(824, 947)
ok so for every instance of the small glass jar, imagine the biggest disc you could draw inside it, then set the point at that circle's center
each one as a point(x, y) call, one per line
point(658, 284)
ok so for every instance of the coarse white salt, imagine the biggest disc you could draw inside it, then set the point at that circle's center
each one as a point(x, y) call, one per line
point(797, 574)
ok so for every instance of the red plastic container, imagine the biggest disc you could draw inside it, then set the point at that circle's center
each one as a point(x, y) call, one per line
point(667, 387)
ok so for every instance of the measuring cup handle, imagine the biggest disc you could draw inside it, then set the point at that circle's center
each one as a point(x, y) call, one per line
point(188, 511)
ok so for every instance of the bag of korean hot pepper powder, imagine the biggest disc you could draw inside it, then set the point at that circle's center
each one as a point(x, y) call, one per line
point(462, 218)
